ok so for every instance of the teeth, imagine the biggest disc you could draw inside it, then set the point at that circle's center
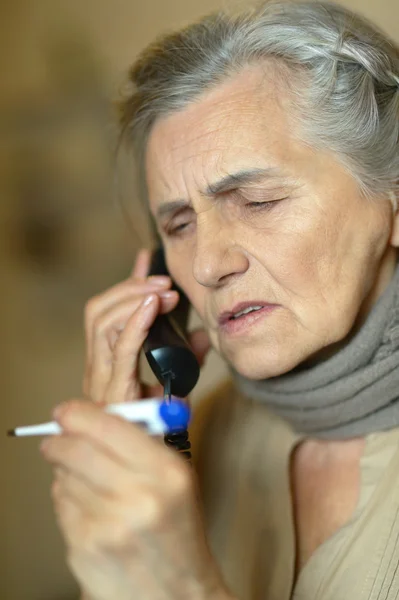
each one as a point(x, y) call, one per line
point(245, 311)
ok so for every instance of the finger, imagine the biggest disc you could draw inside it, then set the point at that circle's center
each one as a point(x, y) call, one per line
point(70, 516)
point(102, 354)
point(113, 321)
point(142, 264)
point(125, 379)
point(132, 446)
point(84, 459)
point(76, 490)
point(100, 304)
point(108, 330)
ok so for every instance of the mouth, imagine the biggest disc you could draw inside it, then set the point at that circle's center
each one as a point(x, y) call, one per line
point(245, 319)
point(242, 310)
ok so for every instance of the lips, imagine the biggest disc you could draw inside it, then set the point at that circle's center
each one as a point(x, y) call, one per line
point(228, 315)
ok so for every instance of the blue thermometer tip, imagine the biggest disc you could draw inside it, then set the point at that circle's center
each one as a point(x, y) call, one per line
point(175, 414)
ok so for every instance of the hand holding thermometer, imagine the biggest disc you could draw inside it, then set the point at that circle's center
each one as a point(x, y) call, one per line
point(159, 417)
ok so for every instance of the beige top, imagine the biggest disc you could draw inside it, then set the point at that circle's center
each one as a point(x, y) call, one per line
point(241, 452)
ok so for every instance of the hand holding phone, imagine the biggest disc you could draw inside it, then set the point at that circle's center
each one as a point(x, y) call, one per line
point(117, 324)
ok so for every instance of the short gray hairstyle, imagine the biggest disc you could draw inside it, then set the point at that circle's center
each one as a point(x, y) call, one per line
point(342, 70)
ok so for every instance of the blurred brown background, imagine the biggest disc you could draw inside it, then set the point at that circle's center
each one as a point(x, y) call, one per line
point(62, 236)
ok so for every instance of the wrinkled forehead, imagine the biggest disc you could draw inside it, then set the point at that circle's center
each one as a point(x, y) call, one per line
point(240, 124)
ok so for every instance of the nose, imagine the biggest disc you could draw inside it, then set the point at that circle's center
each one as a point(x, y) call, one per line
point(218, 257)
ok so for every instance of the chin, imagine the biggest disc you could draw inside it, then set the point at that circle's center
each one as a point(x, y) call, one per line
point(263, 364)
point(283, 351)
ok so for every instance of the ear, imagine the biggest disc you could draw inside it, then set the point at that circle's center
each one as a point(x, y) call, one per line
point(395, 223)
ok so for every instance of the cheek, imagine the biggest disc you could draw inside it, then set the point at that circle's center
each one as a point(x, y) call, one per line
point(310, 241)
point(309, 262)
point(293, 246)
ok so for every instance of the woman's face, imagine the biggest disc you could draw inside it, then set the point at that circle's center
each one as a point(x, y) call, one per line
point(249, 214)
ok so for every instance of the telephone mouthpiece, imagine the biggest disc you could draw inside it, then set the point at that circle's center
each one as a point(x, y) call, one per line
point(176, 363)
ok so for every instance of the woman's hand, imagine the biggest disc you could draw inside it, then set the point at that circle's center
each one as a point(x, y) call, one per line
point(116, 325)
point(126, 505)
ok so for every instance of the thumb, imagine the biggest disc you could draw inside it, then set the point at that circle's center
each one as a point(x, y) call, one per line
point(200, 343)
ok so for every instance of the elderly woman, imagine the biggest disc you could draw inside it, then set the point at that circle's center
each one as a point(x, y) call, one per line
point(268, 145)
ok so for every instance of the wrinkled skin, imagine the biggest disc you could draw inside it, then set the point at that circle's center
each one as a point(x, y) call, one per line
point(316, 249)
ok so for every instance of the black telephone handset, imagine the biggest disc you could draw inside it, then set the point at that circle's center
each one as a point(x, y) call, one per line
point(169, 354)
point(166, 348)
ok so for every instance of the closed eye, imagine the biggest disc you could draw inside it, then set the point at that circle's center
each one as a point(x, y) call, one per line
point(260, 204)
point(243, 197)
point(250, 206)
point(263, 205)
point(176, 230)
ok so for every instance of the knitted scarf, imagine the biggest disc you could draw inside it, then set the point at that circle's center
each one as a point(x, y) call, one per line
point(352, 393)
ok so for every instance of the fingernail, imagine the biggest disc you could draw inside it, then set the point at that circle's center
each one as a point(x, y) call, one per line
point(149, 300)
point(158, 280)
point(168, 294)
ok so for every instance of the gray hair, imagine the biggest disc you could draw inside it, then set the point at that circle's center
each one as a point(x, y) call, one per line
point(343, 72)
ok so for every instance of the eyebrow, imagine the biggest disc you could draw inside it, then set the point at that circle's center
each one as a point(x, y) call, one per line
point(227, 183)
